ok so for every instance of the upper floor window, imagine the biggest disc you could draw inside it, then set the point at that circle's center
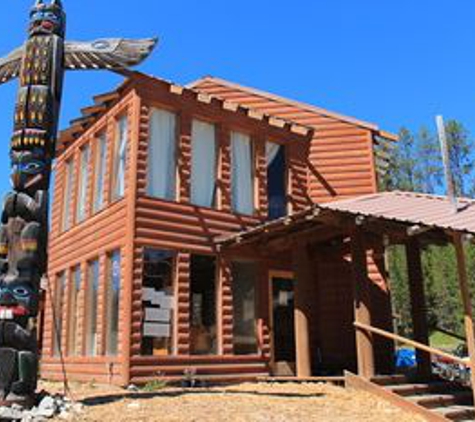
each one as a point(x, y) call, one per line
point(67, 194)
point(161, 173)
point(99, 172)
point(242, 177)
point(203, 164)
point(276, 180)
point(120, 159)
point(81, 200)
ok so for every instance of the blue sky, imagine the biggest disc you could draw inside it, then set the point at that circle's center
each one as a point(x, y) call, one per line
point(394, 63)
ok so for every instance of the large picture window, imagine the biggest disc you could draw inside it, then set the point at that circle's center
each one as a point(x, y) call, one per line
point(81, 200)
point(113, 286)
point(276, 183)
point(161, 172)
point(99, 172)
point(67, 194)
point(203, 304)
point(58, 306)
point(242, 173)
point(92, 292)
point(158, 302)
point(120, 159)
point(203, 164)
point(74, 311)
point(244, 289)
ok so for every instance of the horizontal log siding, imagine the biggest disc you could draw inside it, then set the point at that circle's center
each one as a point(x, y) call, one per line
point(92, 239)
point(340, 164)
point(340, 160)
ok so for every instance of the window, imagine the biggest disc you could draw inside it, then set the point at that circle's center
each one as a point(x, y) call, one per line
point(99, 173)
point(203, 164)
point(158, 302)
point(276, 183)
point(74, 311)
point(92, 292)
point(161, 172)
point(81, 202)
point(68, 185)
point(242, 173)
point(113, 282)
point(120, 159)
point(58, 306)
point(203, 304)
point(244, 307)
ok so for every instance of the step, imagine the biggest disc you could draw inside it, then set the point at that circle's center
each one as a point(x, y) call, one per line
point(424, 388)
point(431, 401)
point(386, 380)
point(457, 413)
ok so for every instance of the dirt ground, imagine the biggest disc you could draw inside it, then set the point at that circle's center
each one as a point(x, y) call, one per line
point(260, 402)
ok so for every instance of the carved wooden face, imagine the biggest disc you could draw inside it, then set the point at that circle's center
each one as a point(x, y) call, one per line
point(47, 19)
point(17, 299)
point(30, 170)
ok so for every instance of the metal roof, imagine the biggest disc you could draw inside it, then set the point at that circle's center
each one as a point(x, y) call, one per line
point(405, 208)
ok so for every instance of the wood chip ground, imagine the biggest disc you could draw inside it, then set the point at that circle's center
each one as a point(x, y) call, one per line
point(249, 402)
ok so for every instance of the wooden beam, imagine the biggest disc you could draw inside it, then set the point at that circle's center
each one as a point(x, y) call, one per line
point(362, 308)
point(418, 305)
point(467, 302)
point(302, 303)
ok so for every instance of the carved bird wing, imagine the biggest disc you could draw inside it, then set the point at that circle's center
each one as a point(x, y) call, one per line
point(10, 65)
point(112, 53)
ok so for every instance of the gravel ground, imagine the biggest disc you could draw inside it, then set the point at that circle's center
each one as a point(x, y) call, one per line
point(248, 402)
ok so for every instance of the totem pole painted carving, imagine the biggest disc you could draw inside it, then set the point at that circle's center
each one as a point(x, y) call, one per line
point(40, 64)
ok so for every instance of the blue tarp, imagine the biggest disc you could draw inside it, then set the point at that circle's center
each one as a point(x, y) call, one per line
point(405, 358)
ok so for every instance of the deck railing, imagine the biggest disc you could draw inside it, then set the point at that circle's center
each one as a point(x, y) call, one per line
point(412, 343)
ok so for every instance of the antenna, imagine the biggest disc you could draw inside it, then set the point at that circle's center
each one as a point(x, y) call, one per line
point(449, 180)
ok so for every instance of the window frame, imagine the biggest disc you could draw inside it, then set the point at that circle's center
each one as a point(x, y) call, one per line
point(68, 187)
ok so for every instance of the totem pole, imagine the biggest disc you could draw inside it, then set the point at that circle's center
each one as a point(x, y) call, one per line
point(40, 64)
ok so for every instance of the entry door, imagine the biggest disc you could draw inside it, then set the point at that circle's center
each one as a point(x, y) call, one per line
point(283, 326)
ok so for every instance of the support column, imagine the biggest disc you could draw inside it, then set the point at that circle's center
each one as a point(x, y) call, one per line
point(418, 306)
point(467, 303)
point(362, 305)
point(302, 305)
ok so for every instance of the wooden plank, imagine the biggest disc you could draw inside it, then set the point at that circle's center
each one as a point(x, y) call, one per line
point(362, 300)
point(418, 306)
point(415, 344)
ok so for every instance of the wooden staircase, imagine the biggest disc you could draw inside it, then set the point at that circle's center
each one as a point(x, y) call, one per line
point(435, 400)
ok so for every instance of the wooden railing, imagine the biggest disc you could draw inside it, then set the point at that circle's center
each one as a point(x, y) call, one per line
point(412, 343)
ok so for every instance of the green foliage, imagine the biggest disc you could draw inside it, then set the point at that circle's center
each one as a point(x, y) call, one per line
point(416, 165)
point(154, 385)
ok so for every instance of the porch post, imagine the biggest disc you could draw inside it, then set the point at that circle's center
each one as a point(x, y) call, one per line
point(302, 306)
point(362, 305)
point(418, 305)
point(467, 303)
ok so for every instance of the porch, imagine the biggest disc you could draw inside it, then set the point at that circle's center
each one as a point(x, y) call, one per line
point(353, 234)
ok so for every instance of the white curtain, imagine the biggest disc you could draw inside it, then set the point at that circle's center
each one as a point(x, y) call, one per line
point(242, 173)
point(272, 149)
point(101, 157)
point(121, 157)
point(161, 155)
point(203, 163)
point(83, 179)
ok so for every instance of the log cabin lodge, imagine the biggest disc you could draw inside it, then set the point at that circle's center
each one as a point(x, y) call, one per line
point(151, 184)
